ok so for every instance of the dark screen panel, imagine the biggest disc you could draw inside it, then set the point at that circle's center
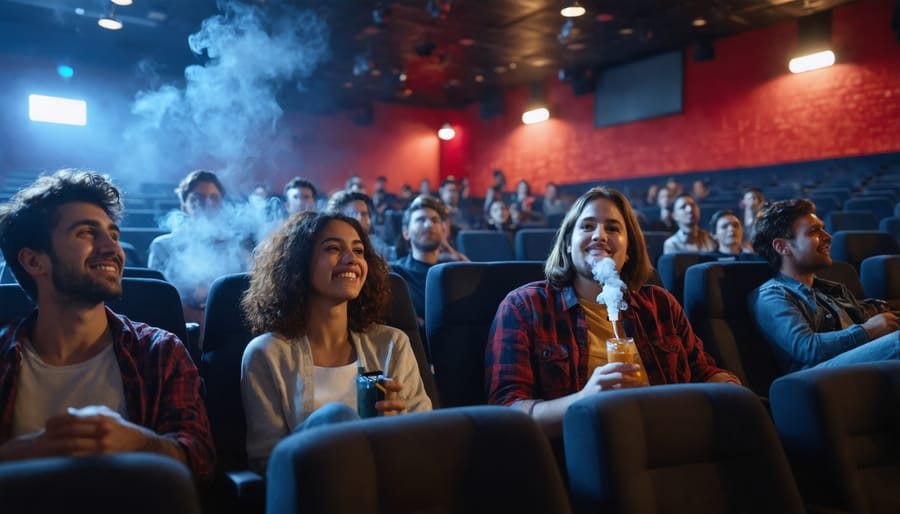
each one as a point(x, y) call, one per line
point(639, 90)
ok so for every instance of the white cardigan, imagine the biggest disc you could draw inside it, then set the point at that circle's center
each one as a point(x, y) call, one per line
point(277, 383)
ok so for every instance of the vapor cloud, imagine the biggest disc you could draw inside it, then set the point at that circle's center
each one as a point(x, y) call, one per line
point(227, 110)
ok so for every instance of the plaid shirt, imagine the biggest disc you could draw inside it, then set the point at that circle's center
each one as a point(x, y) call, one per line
point(161, 385)
point(538, 343)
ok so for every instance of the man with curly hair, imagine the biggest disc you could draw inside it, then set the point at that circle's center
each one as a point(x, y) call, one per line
point(75, 377)
point(809, 321)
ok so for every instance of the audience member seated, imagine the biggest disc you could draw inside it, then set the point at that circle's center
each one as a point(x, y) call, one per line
point(355, 184)
point(547, 347)
point(359, 207)
point(299, 196)
point(318, 295)
point(426, 229)
point(725, 227)
point(553, 203)
point(459, 216)
point(202, 245)
point(523, 208)
point(807, 320)
point(497, 191)
point(665, 222)
point(500, 218)
point(751, 203)
point(77, 378)
point(406, 196)
point(689, 237)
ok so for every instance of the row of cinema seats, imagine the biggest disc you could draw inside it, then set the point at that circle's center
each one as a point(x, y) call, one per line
point(829, 445)
point(529, 244)
point(462, 298)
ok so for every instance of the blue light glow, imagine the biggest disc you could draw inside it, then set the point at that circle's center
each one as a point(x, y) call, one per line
point(64, 71)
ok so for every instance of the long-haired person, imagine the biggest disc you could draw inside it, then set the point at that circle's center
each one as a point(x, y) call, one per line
point(318, 293)
point(547, 347)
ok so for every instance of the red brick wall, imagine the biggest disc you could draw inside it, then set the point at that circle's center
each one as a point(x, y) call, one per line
point(744, 108)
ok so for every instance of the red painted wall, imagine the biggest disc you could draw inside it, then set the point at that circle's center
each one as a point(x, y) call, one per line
point(741, 109)
point(744, 108)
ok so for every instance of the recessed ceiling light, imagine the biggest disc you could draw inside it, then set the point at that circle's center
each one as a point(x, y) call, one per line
point(576, 46)
point(604, 17)
point(698, 22)
point(407, 92)
point(466, 41)
point(109, 23)
point(513, 65)
point(479, 78)
point(121, 2)
point(626, 31)
point(572, 10)
point(540, 62)
point(375, 72)
point(157, 15)
point(500, 69)
point(79, 11)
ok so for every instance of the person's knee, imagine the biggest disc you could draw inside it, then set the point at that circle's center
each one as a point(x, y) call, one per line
point(331, 413)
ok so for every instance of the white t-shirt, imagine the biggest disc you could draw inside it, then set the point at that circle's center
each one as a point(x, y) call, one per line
point(44, 390)
point(336, 384)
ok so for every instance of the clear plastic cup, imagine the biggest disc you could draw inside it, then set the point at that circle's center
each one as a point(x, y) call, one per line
point(624, 350)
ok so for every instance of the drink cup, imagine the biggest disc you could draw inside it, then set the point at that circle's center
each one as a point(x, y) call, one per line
point(369, 389)
point(624, 350)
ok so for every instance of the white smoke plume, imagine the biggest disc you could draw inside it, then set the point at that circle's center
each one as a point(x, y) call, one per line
point(613, 292)
point(227, 111)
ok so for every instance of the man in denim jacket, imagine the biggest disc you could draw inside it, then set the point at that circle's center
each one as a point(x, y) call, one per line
point(810, 321)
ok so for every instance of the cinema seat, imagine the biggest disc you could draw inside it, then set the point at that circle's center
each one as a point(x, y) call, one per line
point(474, 460)
point(679, 448)
point(840, 427)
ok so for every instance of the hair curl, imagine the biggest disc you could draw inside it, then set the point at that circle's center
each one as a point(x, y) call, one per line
point(280, 282)
point(28, 219)
point(560, 269)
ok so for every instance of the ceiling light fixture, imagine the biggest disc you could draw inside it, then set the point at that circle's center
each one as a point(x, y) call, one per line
point(121, 2)
point(572, 10)
point(109, 23)
point(446, 132)
point(698, 22)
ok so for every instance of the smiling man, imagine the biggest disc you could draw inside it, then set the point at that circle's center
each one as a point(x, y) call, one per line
point(547, 346)
point(807, 320)
point(75, 377)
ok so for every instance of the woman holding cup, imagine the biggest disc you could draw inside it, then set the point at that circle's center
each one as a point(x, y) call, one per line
point(317, 294)
point(548, 343)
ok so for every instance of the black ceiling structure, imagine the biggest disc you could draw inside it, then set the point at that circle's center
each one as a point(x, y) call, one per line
point(424, 53)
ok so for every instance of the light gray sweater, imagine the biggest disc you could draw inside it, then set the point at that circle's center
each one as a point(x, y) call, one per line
point(277, 383)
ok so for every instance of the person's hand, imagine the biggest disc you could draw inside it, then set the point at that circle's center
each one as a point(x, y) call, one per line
point(111, 432)
point(614, 375)
point(392, 403)
point(724, 377)
point(88, 431)
point(881, 324)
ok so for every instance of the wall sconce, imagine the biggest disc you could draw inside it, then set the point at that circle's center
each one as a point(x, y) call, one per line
point(446, 132)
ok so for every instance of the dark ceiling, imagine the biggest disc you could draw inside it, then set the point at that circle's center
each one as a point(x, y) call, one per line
point(434, 53)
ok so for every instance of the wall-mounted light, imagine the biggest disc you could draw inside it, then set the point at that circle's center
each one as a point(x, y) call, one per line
point(123, 3)
point(535, 116)
point(446, 132)
point(811, 62)
point(813, 43)
point(572, 10)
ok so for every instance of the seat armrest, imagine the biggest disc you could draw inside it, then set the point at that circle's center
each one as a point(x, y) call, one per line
point(193, 341)
point(245, 484)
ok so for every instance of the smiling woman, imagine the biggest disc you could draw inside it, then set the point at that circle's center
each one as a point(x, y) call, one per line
point(318, 292)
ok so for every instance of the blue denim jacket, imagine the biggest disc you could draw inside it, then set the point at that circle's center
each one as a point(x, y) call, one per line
point(800, 331)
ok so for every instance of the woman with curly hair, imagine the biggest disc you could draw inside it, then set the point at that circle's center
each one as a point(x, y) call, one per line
point(317, 295)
